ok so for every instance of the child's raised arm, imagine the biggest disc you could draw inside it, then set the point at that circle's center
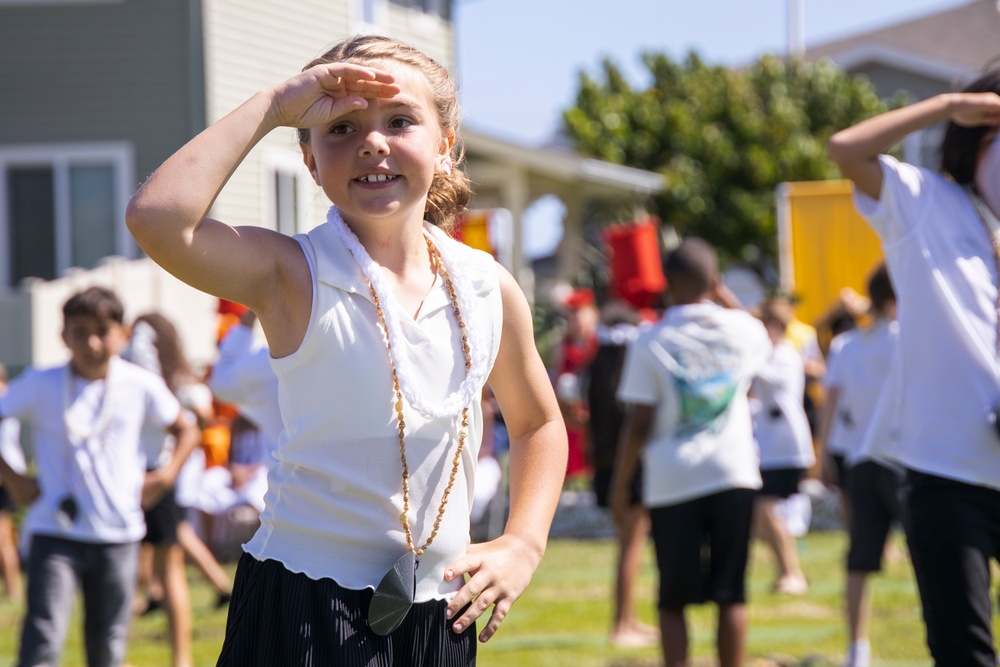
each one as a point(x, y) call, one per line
point(500, 570)
point(250, 265)
point(856, 149)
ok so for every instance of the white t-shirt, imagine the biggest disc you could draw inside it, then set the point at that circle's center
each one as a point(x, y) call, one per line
point(99, 461)
point(694, 367)
point(243, 376)
point(10, 445)
point(943, 270)
point(860, 370)
point(334, 493)
point(780, 425)
point(835, 438)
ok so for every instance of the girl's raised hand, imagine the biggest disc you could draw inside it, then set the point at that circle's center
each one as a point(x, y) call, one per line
point(975, 109)
point(323, 93)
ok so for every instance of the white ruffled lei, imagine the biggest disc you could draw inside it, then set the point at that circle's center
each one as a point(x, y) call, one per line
point(475, 378)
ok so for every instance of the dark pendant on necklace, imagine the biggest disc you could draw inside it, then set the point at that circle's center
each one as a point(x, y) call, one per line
point(394, 595)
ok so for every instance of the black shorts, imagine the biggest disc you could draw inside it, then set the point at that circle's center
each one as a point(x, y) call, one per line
point(602, 487)
point(701, 548)
point(874, 493)
point(953, 530)
point(6, 502)
point(843, 471)
point(279, 618)
point(781, 482)
point(162, 520)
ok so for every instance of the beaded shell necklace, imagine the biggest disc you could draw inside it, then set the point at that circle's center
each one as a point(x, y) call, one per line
point(395, 593)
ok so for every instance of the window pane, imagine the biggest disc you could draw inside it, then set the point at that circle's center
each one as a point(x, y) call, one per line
point(32, 223)
point(92, 213)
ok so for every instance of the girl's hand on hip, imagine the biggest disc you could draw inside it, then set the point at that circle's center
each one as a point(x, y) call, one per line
point(323, 93)
point(499, 572)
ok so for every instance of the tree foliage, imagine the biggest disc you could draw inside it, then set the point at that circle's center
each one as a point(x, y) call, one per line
point(723, 138)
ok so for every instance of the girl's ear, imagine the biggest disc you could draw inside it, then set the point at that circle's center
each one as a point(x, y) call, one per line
point(310, 161)
point(444, 164)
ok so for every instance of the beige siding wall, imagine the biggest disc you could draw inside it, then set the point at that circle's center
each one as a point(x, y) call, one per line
point(252, 44)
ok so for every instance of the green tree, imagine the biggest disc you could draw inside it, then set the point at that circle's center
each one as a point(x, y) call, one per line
point(723, 138)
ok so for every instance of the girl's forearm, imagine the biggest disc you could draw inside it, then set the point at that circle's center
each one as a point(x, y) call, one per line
point(869, 138)
point(179, 194)
point(537, 471)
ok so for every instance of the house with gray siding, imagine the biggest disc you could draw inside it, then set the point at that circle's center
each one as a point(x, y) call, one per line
point(922, 57)
point(97, 93)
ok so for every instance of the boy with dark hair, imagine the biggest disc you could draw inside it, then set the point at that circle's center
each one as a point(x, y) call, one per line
point(685, 382)
point(86, 517)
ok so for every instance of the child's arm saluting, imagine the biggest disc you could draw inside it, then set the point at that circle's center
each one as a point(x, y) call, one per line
point(500, 570)
point(856, 149)
point(250, 265)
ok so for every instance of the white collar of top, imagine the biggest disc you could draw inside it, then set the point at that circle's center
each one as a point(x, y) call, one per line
point(468, 391)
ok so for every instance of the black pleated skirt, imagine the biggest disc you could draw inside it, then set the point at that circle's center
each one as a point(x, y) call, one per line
point(281, 619)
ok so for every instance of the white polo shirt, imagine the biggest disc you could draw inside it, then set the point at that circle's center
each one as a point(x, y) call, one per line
point(694, 367)
point(334, 493)
point(103, 466)
point(943, 270)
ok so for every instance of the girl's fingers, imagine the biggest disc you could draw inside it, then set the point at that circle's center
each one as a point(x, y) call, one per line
point(477, 607)
point(500, 610)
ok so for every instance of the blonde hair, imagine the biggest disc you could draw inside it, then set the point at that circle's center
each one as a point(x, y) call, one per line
point(449, 193)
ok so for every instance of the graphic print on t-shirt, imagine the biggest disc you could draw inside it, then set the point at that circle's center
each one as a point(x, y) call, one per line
point(707, 381)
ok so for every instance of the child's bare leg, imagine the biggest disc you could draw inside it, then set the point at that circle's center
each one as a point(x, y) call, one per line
point(731, 635)
point(772, 530)
point(203, 558)
point(674, 635)
point(632, 536)
point(149, 591)
point(858, 605)
point(169, 565)
point(10, 564)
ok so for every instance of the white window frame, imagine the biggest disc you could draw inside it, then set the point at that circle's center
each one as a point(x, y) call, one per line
point(60, 157)
point(380, 15)
point(288, 162)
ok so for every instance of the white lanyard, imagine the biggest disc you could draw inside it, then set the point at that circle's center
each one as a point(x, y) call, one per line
point(79, 436)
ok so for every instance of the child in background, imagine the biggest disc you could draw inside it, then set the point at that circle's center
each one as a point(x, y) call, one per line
point(382, 331)
point(858, 375)
point(572, 355)
point(618, 328)
point(242, 376)
point(85, 517)
point(156, 346)
point(939, 234)
point(685, 382)
point(10, 451)
point(784, 441)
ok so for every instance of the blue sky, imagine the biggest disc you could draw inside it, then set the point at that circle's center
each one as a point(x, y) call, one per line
point(518, 60)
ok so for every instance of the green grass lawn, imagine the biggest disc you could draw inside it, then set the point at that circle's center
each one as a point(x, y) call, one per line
point(563, 618)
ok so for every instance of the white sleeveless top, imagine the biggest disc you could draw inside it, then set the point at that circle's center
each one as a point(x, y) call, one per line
point(335, 491)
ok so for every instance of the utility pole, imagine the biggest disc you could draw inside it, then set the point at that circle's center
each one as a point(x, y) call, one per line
point(796, 29)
